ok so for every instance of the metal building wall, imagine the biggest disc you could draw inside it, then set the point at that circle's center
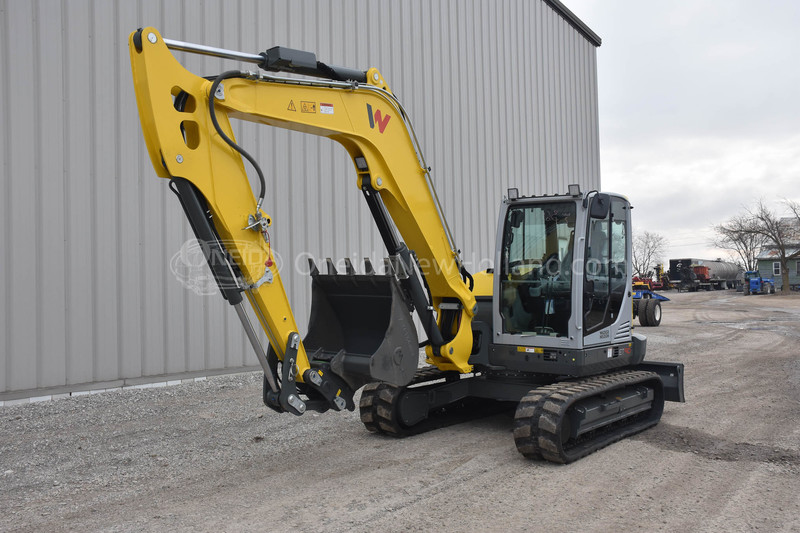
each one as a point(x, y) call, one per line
point(502, 93)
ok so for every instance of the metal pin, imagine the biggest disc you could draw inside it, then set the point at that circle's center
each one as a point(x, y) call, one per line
point(152, 37)
point(297, 403)
point(179, 158)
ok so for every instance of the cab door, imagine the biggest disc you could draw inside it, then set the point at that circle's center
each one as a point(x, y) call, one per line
point(607, 274)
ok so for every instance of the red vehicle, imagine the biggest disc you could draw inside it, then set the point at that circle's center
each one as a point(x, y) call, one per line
point(661, 281)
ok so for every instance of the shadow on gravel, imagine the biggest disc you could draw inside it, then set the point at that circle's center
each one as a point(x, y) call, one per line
point(687, 440)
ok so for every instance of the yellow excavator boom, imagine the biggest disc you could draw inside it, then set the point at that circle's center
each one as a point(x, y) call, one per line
point(191, 143)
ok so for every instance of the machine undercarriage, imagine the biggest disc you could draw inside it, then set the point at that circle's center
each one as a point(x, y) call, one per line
point(560, 421)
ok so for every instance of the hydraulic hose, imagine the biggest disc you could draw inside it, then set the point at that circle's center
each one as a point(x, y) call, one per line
point(212, 112)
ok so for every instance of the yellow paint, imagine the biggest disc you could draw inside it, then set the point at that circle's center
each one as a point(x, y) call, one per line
point(218, 172)
point(484, 283)
point(528, 349)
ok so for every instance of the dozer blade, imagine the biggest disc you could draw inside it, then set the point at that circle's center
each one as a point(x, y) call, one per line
point(361, 325)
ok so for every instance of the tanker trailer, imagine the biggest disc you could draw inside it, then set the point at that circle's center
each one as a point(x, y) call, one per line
point(704, 274)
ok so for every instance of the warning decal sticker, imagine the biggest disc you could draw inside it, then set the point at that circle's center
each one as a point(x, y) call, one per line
point(291, 106)
point(308, 107)
point(528, 349)
point(326, 109)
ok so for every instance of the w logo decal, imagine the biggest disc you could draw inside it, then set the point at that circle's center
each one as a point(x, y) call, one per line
point(377, 118)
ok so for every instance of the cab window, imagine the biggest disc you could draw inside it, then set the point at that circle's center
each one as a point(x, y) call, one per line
point(605, 268)
point(536, 269)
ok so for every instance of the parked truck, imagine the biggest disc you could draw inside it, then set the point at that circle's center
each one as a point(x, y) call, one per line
point(704, 274)
point(755, 283)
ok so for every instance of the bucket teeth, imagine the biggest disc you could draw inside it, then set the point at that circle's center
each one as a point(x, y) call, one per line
point(331, 267)
point(312, 267)
point(397, 266)
point(348, 266)
point(389, 266)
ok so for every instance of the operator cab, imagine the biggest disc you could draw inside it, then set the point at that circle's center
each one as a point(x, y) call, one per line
point(562, 283)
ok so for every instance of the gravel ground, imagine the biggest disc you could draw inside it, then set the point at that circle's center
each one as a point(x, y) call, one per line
point(208, 456)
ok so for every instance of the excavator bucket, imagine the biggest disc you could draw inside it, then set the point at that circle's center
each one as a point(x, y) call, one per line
point(361, 325)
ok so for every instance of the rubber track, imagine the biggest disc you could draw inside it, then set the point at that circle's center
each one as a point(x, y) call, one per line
point(378, 407)
point(367, 407)
point(378, 411)
point(540, 414)
point(429, 373)
point(370, 401)
point(525, 420)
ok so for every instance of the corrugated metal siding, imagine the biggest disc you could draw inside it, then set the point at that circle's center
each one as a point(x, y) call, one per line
point(502, 93)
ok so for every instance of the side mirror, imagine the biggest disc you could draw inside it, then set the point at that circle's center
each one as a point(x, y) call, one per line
point(600, 206)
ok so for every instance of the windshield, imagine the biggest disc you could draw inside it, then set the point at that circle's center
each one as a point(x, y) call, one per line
point(536, 269)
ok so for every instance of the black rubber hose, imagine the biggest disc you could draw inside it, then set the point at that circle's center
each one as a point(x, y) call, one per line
point(224, 76)
point(468, 278)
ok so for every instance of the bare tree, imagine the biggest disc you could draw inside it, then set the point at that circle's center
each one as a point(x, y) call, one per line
point(779, 234)
point(794, 207)
point(648, 249)
point(739, 236)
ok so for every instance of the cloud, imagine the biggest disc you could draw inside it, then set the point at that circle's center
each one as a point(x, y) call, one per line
point(699, 114)
point(723, 71)
point(682, 187)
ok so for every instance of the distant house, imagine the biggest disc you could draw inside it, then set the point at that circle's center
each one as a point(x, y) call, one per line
point(769, 260)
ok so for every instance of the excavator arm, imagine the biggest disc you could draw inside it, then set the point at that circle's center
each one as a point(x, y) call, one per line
point(185, 120)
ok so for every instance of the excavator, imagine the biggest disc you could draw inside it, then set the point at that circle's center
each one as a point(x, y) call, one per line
point(548, 330)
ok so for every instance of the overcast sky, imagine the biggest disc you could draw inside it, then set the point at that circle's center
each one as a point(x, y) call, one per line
point(699, 110)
